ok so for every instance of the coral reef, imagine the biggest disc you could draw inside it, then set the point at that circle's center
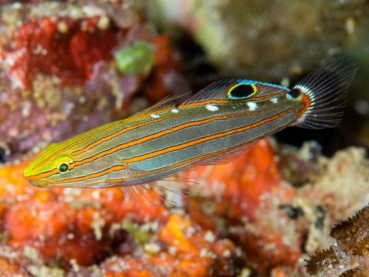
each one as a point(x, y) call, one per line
point(239, 218)
point(349, 255)
point(81, 231)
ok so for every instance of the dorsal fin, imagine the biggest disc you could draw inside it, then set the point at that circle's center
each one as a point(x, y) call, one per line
point(168, 101)
point(214, 90)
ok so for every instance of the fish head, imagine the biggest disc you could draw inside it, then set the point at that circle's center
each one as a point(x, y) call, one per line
point(49, 166)
point(60, 165)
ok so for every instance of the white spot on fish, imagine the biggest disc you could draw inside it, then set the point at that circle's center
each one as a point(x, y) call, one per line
point(274, 100)
point(175, 110)
point(155, 115)
point(252, 106)
point(211, 107)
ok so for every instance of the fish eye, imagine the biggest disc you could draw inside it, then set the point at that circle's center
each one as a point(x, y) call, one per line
point(294, 93)
point(63, 167)
point(63, 163)
point(241, 91)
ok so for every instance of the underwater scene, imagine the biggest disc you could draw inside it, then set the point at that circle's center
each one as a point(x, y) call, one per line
point(144, 138)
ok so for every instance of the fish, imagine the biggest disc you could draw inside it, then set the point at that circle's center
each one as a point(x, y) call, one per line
point(214, 126)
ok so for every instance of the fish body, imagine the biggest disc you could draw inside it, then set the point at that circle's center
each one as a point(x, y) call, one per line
point(214, 126)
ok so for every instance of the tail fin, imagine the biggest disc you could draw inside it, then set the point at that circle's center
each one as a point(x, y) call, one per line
point(326, 88)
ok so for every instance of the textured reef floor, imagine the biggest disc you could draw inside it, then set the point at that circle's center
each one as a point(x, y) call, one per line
point(236, 219)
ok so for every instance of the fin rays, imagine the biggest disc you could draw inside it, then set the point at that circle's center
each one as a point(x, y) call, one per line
point(326, 87)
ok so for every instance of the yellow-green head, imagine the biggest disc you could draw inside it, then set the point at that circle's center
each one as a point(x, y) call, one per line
point(76, 162)
point(51, 163)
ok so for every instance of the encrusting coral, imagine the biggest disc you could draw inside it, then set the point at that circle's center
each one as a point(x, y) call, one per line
point(349, 255)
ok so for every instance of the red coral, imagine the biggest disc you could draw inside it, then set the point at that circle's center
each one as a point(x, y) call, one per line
point(246, 179)
point(65, 48)
point(240, 186)
point(54, 228)
point(194, 255)
point(12, 267)
point(76, 224)
point(260, 174)
point(70, 228)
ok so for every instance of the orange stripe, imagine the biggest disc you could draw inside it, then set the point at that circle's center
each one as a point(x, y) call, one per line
point(194, 159)
point(145, 115)
point(134, 118)
point(133, 127)
point(57, 152)
point(98, 132)
point(306, 101)
point(205, 139)
point(145, 173)
point(179, 164)
point(215, 101)
point(43, 175)
point(203, 103)
point(153, 136)
point(198, 158)
point(161, 152)
point(73, 144)
point(156, 135)
point(93, 175)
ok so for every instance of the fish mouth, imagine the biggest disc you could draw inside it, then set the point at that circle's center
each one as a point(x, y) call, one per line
point(27, 172)
point(46, 184)
point(35, 183)
point(39, 184)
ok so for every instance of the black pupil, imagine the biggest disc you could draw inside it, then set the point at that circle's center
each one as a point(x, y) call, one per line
point(242, 91)
point(294, 93)
point(63, 167)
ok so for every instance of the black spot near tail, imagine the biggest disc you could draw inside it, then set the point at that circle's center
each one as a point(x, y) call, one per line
point(294, 93)
point(326, 87)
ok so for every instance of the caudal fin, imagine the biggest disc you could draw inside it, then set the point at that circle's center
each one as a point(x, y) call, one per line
point(326, 88)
